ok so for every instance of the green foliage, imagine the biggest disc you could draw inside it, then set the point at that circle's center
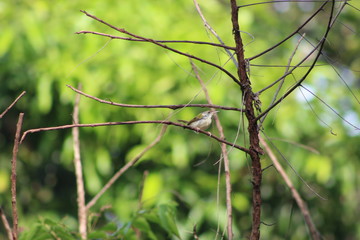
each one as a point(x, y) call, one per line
point(47, 229)
point(154, 223)
point(40, 53)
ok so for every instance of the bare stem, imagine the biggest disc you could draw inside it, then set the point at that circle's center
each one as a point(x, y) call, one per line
point(78, 172)
point(13, 176)
point(130, 123)
point(173, 107)
point(6, 224)
point(291, 34)
point(124, 169)
point(300, 202)
point(12, 104)
point(159, 41)
point(121, 30)
point(298, 83)
point(224, 155)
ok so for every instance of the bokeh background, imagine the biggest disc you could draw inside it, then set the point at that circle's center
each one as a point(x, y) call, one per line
point(40, 54)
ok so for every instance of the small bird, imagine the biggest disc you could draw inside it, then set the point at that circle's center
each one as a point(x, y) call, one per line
point(201, 121)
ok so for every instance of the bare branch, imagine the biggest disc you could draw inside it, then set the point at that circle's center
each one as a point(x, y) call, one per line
point(173, 107)
point(321, 45)
point(288, 72)
point(159, 41)
point(78, 173)
point(6, 224)
point(207, 25)
point(131, 123)
point(13, 176)
point(163, 46)
point(284, 1)
point(283, 78)
point(302, 205)
point(12, 104)
point(224, 156)
point(291, 34)
point(125, 168)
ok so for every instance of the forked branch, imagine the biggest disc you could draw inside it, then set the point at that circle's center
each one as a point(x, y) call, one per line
point(160, 45)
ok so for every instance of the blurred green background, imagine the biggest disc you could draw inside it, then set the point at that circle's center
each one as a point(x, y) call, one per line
point(40, 53)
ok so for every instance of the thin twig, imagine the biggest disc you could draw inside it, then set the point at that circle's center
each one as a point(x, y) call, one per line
point(298, 83)
point(82, 215)
point(12, 104)
point(6, 224)
point(288, 72)
point(332, 109)
point(196, 237)
point(283, 78)
point(159, 41)
point(125, 168)
point(13, 176)
point(291, 34)
point(161, 45)
point(284, 1)
point(224, 155)
point(285, 66)
point(207, 25)
point(173, 107)
point(131, 123)
point(302, 205)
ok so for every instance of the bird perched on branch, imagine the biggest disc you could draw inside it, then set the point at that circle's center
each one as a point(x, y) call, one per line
point(201, 121)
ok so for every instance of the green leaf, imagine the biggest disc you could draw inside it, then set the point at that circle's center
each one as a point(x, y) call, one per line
point(166, 214)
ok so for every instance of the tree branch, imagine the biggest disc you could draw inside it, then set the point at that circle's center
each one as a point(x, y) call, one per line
point(159, 41)
point(12, 104)
point(291, 34)
point(124, 169)
point(13, 176)
point(162, 45)
point(6, 224)
point(302, 205)
point(82, 215)
point(173, 107)
point(321, 45)
point(224, 156)
point(131, 123)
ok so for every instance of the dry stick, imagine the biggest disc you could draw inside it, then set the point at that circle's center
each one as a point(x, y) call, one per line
point(130, 123)
point(78, 172)
point(13, 176)
point(125, 168)
point(298, 83)
point(159, 41)
point(224, 155)
point(207, 25)
point(283, 78)
point(253, 130)
point(291, 70)
point(320, 44)
point(302, 205)
point(12, 104)
point(291, 34)
point(282, 1)
point(6, 224)
point(173, 107)
point(160, 45)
